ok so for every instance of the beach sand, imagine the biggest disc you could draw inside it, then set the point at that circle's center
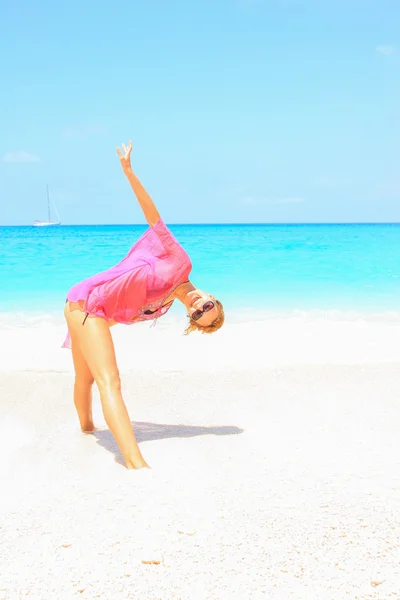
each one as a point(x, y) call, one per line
point(276, 471)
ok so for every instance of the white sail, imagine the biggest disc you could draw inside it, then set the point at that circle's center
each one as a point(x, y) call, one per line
point(49, 222)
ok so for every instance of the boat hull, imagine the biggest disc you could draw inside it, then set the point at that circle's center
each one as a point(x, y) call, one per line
point(45, 224)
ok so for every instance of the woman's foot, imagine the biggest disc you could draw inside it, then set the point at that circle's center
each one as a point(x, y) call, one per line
point(142, 464)
point(88, 427)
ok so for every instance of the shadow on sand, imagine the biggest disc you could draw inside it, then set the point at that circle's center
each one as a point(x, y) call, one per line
point(149, 432)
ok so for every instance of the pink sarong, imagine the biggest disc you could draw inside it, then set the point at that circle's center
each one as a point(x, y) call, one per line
point(153, 268)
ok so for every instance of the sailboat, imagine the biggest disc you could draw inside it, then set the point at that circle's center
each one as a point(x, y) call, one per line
point(49, 222)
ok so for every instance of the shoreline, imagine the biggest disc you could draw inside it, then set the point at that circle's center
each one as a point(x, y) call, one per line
point(293, 340)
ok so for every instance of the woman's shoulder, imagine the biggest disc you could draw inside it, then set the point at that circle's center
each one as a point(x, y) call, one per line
point(168, 239)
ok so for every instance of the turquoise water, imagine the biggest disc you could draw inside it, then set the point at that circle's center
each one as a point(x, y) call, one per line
point(258, 267)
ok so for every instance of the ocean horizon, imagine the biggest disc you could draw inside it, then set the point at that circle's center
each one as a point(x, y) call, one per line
point(222, 224)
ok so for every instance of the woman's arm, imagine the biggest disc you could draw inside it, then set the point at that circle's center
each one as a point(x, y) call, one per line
point(148, 207)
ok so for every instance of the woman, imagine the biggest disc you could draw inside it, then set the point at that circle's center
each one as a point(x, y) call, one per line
point(142, 286)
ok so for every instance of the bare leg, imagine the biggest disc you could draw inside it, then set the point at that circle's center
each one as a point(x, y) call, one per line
point(97, 348)
point(82, 389)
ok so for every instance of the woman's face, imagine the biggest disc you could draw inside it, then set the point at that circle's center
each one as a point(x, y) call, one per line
point(198, 301)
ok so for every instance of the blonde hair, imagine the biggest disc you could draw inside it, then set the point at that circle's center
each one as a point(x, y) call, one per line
point(214, 326)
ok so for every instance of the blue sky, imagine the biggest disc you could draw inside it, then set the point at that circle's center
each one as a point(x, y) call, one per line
point(239, 110)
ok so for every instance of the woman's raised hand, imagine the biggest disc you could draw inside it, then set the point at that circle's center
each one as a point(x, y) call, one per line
point(125, 156)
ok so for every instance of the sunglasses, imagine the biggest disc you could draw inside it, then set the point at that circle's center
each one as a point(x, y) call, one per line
point(207, 306)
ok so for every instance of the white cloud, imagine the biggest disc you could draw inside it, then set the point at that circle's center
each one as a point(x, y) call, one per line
point(386, 50)
point(248, 200)
point(20, 156)
point(389, 189)
point(289, 200)
point(82, 133)
point(251, 201)
point(333, 181)
point(246, 3)
point(251, 3)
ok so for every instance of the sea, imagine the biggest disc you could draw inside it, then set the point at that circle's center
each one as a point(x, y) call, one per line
point(254, 269)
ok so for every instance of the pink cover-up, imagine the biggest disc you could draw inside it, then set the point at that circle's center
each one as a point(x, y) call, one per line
point(155, 266)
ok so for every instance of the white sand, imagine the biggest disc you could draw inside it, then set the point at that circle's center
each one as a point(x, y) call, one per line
point(276, 469)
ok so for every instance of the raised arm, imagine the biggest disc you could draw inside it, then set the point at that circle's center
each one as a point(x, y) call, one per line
point(148, 207)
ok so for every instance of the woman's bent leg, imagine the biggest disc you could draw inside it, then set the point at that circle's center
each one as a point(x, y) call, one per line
point(97, 348)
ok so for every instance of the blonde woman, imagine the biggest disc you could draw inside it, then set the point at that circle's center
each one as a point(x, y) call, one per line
point(143, 286)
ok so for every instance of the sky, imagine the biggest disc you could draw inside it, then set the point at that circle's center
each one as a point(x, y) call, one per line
point(239, 111)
